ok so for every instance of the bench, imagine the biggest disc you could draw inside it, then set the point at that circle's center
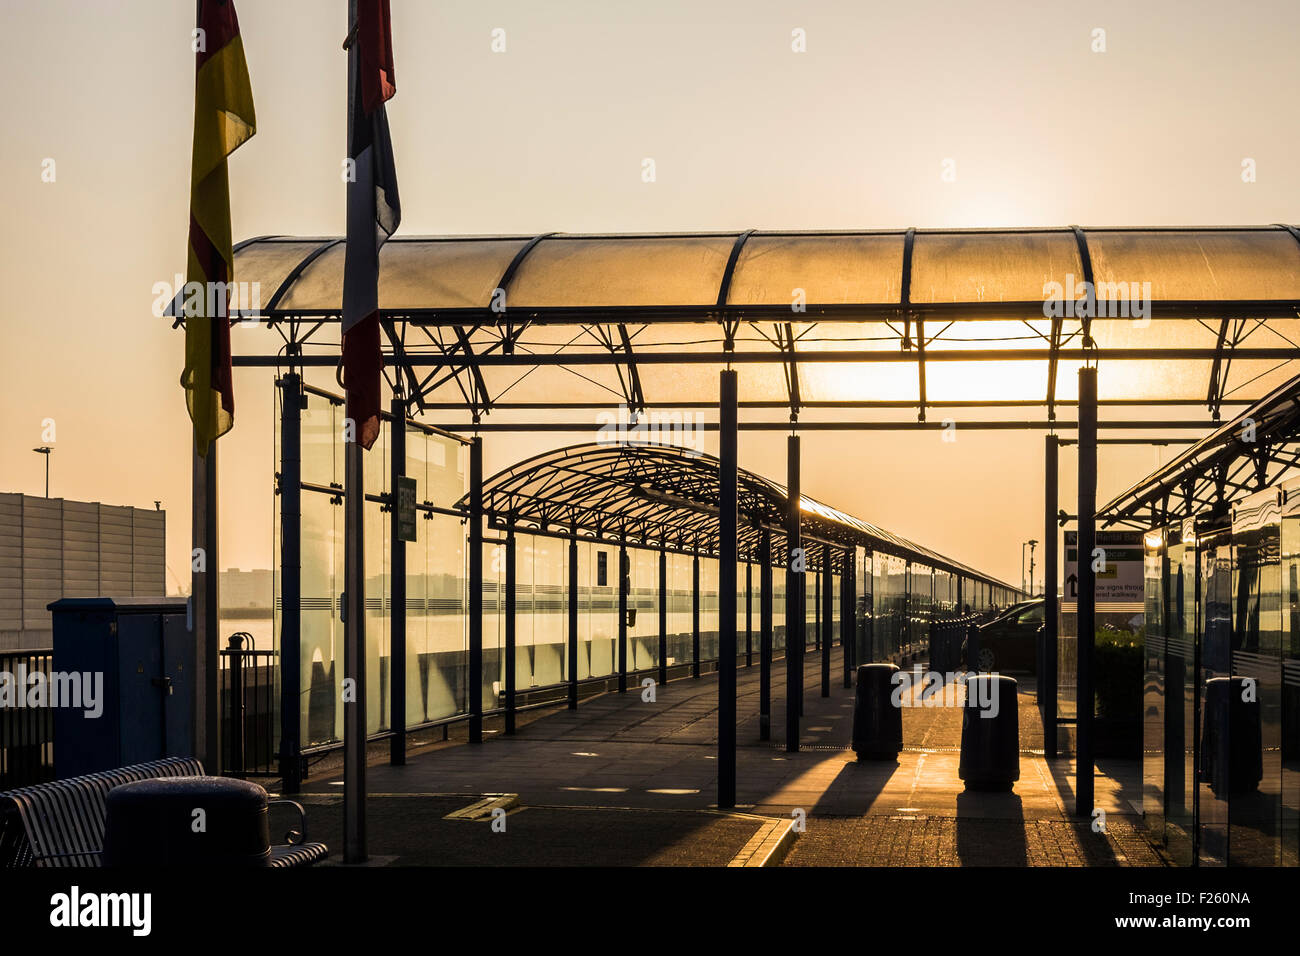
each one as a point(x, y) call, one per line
point(61, 824)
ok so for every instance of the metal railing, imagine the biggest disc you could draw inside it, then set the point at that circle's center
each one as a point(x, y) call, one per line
point(26, 733)
point(248, 709)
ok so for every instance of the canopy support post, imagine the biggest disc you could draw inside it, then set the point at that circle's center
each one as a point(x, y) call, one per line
point(828, 605)
point(1087, 609)
point(475, 688)
point(765, 636)
point(290, 487)
point(624, 573)
point(512, 584)
point(794, 616)
point(695, 615)
point(663, 614)
point(728, 541)
point(573, 622)
point(848, 613)
point(1049, 677)
point(397, 588)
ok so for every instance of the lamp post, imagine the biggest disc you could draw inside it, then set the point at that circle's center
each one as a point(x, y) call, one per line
point(45, 450)
point(1032, 544)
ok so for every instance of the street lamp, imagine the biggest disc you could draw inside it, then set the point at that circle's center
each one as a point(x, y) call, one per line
point(46, 451)
point(1032, 544)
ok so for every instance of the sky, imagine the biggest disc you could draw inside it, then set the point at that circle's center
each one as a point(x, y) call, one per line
point(549, 135)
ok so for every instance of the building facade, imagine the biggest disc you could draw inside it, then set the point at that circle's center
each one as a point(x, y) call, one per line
point(52, 548)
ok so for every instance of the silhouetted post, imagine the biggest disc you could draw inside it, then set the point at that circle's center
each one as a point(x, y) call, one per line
point(204, 600)
point(794, 618)
point(663, 614)
point(475, 690)
point(728, 534)
point(828, 607)
point(765, 636)
point(511, 636)
point(1087, 609)
point(695, 615)
point(573, 622)
point(1048, 678)
point(848, 613)
point(623, 575)
point(397, 587)
point(290, 486)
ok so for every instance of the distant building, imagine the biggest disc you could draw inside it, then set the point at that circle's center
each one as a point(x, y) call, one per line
point(52, 548)
point(246, 593)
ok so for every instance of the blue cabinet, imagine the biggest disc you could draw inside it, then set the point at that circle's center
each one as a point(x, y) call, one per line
point(123, 682)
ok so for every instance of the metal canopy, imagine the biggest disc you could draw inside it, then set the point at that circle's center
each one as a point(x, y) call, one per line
point(1250, 453)
point(911, 318)
point(664, 496)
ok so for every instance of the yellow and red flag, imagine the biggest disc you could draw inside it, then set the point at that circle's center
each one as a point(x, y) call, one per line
point(374, 212)
point(223, 121)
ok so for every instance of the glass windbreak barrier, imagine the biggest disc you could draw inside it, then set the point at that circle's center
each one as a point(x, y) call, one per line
point(1253, 777)
point(1214, 554)
point(1154, 682)
point(1290, 818)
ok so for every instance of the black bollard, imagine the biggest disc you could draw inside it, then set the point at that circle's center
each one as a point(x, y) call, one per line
point(990, 734)
point(877, 723)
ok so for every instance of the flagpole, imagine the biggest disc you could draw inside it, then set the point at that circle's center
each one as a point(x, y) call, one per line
point(354, 604)
point(204, 597)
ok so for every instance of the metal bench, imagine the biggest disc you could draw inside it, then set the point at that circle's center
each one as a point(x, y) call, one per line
point(61, 824)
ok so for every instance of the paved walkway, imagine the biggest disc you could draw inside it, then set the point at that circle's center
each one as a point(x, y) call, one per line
point(652, 766)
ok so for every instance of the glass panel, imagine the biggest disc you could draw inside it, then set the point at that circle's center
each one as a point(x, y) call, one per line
point(643, 598)
point(322, 633)
point(823, 270)
point(1290, 822)
point(1215, 555)
point(1254, 773)
point(991, 267)
point(624, 272)
point(1154, 687)
point(453, 274)
point(1190, 265)
point(708, 609)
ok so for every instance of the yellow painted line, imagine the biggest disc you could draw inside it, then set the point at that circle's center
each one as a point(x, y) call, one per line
point(482, 809)
point(769, 846)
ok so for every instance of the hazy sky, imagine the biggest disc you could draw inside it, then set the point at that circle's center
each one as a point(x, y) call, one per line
point(550, 136)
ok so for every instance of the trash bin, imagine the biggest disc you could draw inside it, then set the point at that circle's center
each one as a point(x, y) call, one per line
point(187, 821)
point(1232, 752)
point(877, 723)
point(990, 734)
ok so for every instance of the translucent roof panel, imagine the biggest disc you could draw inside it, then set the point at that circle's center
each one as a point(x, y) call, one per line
point(773, 270)
point(990, 266)
point(826, 270)
point(269, 262)
point(1242, 264)
point(622, 272)
point(413, 274)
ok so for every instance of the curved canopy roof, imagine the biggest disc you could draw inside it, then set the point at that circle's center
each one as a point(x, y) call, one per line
point(871, 318)
point(993, 272)
point(1251, 452)
point(660, 494)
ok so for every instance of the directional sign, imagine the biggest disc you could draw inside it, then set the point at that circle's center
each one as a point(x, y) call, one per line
point(1120, 569)
point(405, 509)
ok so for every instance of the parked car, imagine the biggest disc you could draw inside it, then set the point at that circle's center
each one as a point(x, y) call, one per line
point(1009, 642)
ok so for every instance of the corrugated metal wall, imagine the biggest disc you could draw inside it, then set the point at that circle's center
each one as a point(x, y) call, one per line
point(52, 548)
